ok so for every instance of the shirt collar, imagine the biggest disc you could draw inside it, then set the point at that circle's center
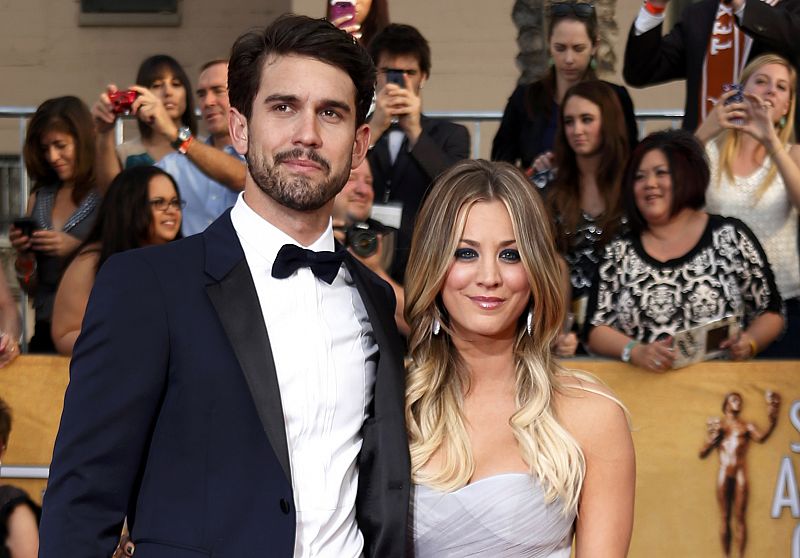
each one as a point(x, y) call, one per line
point(265, 238)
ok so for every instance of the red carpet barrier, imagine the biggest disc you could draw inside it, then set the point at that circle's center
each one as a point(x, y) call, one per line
point(677, 508)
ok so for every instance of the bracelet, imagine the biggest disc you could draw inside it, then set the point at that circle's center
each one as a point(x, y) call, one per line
point(24, 275)
point(184, 147)
point(753, 347)
point(653, 10)
point(627, 352)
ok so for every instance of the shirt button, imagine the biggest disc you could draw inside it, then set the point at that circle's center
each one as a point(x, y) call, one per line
point(285, 506)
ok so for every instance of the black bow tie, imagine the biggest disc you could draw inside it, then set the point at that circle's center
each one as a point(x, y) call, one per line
point(290, 258)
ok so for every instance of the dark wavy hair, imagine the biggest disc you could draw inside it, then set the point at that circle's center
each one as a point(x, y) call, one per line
point(688, 170)
point(154, 68)
point(399, 39)
point(301, 36)
point(68, 115)
point(564, 197)
point(125, 215)
point(377, 19)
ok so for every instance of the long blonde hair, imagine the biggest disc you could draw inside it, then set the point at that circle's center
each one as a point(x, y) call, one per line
point(437, 380)
point(730, 140)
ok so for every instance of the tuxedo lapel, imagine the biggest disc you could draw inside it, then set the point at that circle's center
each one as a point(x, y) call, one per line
point(233, 294)
point(389, 380)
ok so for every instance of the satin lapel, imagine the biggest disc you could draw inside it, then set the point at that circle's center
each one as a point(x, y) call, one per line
point(234, 297)
point(389, 380)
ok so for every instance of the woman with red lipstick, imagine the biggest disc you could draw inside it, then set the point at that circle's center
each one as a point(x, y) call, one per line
point(163, 91)
point(678, 267)
point(142, 208)
point(528, 129)
point(584, 197)
point(59, 157)
point(755, 175)
point(511, 454)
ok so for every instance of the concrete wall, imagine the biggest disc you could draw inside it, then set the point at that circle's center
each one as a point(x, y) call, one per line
point(44, 53)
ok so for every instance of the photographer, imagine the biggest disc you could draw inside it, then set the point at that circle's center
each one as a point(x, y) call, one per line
point(367, 239)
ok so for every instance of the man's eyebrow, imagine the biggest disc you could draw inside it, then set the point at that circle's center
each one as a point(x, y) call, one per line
point(333, 103)
point(284, 98)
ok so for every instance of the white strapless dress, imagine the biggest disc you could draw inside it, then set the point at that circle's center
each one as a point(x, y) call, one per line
point(500, 516)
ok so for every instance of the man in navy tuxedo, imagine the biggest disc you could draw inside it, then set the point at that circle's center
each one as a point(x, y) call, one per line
point(234, 394)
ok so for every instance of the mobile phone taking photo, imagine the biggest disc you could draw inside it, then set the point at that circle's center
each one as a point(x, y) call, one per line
point(397, 77)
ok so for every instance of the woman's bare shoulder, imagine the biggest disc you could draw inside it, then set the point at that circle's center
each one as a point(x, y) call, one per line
point(589, 409)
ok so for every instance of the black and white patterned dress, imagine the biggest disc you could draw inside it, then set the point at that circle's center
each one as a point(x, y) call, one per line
point(725, 274)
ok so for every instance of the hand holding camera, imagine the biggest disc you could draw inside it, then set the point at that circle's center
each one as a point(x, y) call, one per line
point(103, 110)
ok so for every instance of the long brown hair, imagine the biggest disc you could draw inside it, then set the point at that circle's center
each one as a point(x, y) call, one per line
point(71, 116)
point(564, 199)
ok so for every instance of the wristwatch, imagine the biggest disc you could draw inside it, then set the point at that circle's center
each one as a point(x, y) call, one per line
point(628, 350)
point(183, 136)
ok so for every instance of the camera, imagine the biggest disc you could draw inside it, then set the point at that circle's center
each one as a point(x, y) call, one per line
point(122, 100)
point(362, 238)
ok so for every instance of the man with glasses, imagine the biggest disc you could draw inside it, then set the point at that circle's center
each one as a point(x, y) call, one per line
point(709, 46)
point(408, 149)
point(208, 181)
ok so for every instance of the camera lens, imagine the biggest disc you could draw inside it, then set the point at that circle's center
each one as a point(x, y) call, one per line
point(364, 242)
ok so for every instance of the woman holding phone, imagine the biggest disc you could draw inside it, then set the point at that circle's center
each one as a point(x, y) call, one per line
point(363, 19)
point(755, 175)
point(59, 156)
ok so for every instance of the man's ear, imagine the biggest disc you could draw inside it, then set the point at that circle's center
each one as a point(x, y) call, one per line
point(360, 145)
point(237, 128)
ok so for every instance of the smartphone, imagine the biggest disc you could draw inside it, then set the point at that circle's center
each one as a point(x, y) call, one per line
point(341, 9)
point(397, 77)
point(26, 224)
point(737, 97)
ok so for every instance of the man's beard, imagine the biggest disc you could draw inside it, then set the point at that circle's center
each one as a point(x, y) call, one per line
point(296, 192)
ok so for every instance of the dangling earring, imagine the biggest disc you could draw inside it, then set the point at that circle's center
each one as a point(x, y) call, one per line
point(437, 326)
point(529, 323)
point(782, 122)
point(593, 63)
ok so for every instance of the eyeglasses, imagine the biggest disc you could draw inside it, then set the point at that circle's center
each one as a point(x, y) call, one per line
point(580, 10)
point(161, 204)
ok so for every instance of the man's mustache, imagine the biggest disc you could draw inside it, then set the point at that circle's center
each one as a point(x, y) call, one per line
point(300, 153)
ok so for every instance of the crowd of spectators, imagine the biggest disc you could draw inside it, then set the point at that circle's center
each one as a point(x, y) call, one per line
point(569, 131)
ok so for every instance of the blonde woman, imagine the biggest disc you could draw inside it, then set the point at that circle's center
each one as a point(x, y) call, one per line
point(755, 175)
point(511, 454)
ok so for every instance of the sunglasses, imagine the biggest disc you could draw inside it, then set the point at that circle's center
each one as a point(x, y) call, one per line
point(580, 10)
